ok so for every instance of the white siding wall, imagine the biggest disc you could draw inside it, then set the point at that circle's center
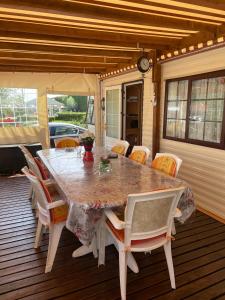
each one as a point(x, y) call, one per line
point(203, 168)
point(147, 97)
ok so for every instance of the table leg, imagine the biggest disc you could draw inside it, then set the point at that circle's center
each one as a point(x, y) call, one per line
point(83, 250)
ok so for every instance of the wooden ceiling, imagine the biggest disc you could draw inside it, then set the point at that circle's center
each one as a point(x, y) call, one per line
point(98, 36)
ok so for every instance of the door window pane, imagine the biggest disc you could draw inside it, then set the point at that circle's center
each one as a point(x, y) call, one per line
point(112, 113)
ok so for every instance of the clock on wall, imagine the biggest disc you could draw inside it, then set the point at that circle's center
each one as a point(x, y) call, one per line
point(143, 64)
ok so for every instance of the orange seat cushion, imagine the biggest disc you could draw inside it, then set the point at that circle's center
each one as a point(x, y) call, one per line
point(42, 170)
point(120, 149)
point(165, 164)
point(119, 234)
point(60, 213)
point(67, 143)
point(139, 156)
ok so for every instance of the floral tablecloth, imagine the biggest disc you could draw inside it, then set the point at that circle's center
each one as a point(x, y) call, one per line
point(88, 192)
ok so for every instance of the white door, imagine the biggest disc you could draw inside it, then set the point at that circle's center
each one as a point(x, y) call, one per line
point(112, 115)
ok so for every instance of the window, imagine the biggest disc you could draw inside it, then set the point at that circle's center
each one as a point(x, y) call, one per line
point(90, 111)
point(194, 109)
point(112, 114)
point(18, 107)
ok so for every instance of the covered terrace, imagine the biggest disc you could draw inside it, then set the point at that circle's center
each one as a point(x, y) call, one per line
point(156, 72)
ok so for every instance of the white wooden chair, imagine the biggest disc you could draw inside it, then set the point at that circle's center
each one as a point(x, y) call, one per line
point(167, 167)
point(140, 154)
point(147, 226)
point(52, 213)
point(120, 147)
point(176, 158)
point(66, 142)
point(35, 166)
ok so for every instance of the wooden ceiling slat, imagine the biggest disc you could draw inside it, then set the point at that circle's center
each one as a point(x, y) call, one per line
point(45, 39)
point(142, 5)
point(38, 56)
point(67, 50)
point(64, 64)
point(82, 34)
point(210, 6)
point(59, 34)
point(12, 68)
point(92, 9)
point(136, 9)
point(98, 27)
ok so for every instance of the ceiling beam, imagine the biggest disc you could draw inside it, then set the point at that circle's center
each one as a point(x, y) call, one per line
point(104, 11)
point(67, 50)
point(80, 34)
point(45, 56)
point(91, 42)
point(62, 64)
point(12, 68)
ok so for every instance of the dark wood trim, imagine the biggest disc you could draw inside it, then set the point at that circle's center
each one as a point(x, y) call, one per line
point(212, 215)
point(156, 80)
point(190, 79)
point(206, 75)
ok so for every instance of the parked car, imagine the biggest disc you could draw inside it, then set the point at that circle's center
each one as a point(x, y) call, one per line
point(59, 130)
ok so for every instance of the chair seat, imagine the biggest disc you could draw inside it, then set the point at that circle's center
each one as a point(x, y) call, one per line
point(60, 213)
point(119, 234)
point(138, 156)
point(120, 149)
point(165, 164)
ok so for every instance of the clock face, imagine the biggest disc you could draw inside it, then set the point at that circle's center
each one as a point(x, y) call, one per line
point(143, 64)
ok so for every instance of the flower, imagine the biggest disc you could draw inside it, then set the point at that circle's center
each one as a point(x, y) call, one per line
point(87, 137)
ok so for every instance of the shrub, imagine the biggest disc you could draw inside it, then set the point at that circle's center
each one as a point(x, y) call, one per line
point(73, 117)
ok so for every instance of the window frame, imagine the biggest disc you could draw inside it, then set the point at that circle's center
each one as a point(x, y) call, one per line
point(188, 140)
point(89, 119)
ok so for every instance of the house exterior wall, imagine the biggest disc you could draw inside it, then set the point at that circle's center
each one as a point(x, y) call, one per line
point(203, 168)
point(147, 98)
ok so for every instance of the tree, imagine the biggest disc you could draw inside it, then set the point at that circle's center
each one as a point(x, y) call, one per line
point(71, 103)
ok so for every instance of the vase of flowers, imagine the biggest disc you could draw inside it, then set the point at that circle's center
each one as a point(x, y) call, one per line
point(87, 139)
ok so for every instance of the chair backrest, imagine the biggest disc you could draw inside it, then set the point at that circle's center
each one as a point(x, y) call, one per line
point(148, 215)
point(30, 161)
point(66, 142)
point(40, 196)
point(140, 154)
point(120, 147)
point(177, 160)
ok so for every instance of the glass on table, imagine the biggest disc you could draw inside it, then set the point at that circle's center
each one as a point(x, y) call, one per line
point(79, 151)
point(105, 166)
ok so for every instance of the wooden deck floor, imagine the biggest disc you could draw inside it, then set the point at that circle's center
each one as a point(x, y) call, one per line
point(198, 251)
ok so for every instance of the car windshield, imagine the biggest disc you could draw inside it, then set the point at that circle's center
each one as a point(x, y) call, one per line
point(65, 130)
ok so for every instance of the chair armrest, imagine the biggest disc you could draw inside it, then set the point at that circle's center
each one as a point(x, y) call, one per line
point(178, 213)
point(49, 182)
point(117, 223)
point(56, 204)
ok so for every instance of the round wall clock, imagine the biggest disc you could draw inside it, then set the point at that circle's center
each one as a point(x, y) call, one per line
point(143, 64)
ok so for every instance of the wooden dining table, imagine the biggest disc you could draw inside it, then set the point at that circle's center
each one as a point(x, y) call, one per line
point(89, 191)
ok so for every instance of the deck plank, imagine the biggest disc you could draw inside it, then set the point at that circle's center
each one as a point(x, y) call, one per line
point(198, 253)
